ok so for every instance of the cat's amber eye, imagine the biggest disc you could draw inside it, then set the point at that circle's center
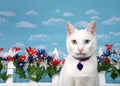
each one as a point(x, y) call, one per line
point(74, 42)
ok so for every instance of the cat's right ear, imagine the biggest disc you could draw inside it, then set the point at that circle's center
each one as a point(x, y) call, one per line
point(92, 28)
point(70, 28)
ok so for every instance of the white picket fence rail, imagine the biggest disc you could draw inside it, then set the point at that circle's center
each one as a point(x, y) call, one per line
point(10, 82)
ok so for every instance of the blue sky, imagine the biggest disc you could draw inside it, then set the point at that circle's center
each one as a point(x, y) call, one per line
point(41, 23)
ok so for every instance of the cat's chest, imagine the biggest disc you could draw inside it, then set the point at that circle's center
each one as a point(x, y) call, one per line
point(89, 67)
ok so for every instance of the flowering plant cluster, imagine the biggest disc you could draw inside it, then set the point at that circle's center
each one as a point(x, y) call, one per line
point(3, 64)
point(34, 64)
point(3, 73)
point(109, 61)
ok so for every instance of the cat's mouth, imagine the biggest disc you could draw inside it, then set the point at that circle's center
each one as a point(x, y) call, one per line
point(81, 54)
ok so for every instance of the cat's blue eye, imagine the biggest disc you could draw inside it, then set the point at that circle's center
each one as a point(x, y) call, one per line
point(87, 41)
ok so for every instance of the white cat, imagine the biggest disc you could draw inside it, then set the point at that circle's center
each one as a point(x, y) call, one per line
point(80, 68)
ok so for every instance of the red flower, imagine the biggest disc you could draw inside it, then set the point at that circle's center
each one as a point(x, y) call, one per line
point(107, 60)
point(1, 49)
point(22, 58)
point(55, 62)
point(9, 58)
point(15, 48)
point(31, 51)
point(108, 47)
point(63, 61)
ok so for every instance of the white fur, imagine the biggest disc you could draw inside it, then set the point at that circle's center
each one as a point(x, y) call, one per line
point(70, 75)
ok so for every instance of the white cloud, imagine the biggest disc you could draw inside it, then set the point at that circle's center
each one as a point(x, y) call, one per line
point(67, 14)
point(54, 43)
point(3, 20)
point(57, 11)
point(102, 36)
point(19, 44)
point(7, 13)
point(95, 18)
point(1, 34)
point(32, 12)
point(25, 24)
point(40, 47)
point(91, 12)
point(112, 20)
point(117, 44)
point(115, 33)
point(81, 24)
point(53, 20)
point(38, 37)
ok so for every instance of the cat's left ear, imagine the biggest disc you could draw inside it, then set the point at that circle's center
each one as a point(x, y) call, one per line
point(92, 28)
point(70, 28)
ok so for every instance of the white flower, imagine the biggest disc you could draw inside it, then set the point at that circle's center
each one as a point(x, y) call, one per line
point(11, 52)
point(44, 64)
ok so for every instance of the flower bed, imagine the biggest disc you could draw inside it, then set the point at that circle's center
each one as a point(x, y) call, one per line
point(35, 65)
point(40, 66)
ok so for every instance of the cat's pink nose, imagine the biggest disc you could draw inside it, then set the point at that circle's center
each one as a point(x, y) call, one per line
point(80, 50)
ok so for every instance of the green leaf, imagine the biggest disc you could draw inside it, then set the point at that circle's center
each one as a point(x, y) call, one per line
point(1, 66)
point(40, 73)
point(21, 73)
point(15, 62)
point(5, 76)
point(0, 75)
point(32, 78)
point(104, 67)
point(31, 70)
point(114, 73)
point(119, 71)
point(52, 70)
point(36, 73)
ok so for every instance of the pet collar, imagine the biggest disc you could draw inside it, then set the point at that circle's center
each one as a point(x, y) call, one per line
point(80, 65)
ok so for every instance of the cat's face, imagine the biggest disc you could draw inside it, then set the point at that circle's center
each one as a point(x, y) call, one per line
point(81, 43)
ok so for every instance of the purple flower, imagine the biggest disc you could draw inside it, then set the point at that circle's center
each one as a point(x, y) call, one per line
point(41, 54)
point(31, 59)
point(21, 64)
point(49, 59)
point(100, 60)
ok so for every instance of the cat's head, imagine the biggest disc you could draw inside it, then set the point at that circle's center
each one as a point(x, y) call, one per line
point(81, 43)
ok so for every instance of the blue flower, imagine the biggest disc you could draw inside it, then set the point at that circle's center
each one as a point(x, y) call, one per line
point(41, 54)
point(30, 59)
point(49, 59)
point(21, 64)
point(107, 53)
point(100, 60)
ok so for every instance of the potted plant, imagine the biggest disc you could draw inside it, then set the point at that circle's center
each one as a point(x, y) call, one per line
point(109, 61)
point(36, 64)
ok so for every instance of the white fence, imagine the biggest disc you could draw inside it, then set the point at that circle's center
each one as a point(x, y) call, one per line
point(10, 82)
